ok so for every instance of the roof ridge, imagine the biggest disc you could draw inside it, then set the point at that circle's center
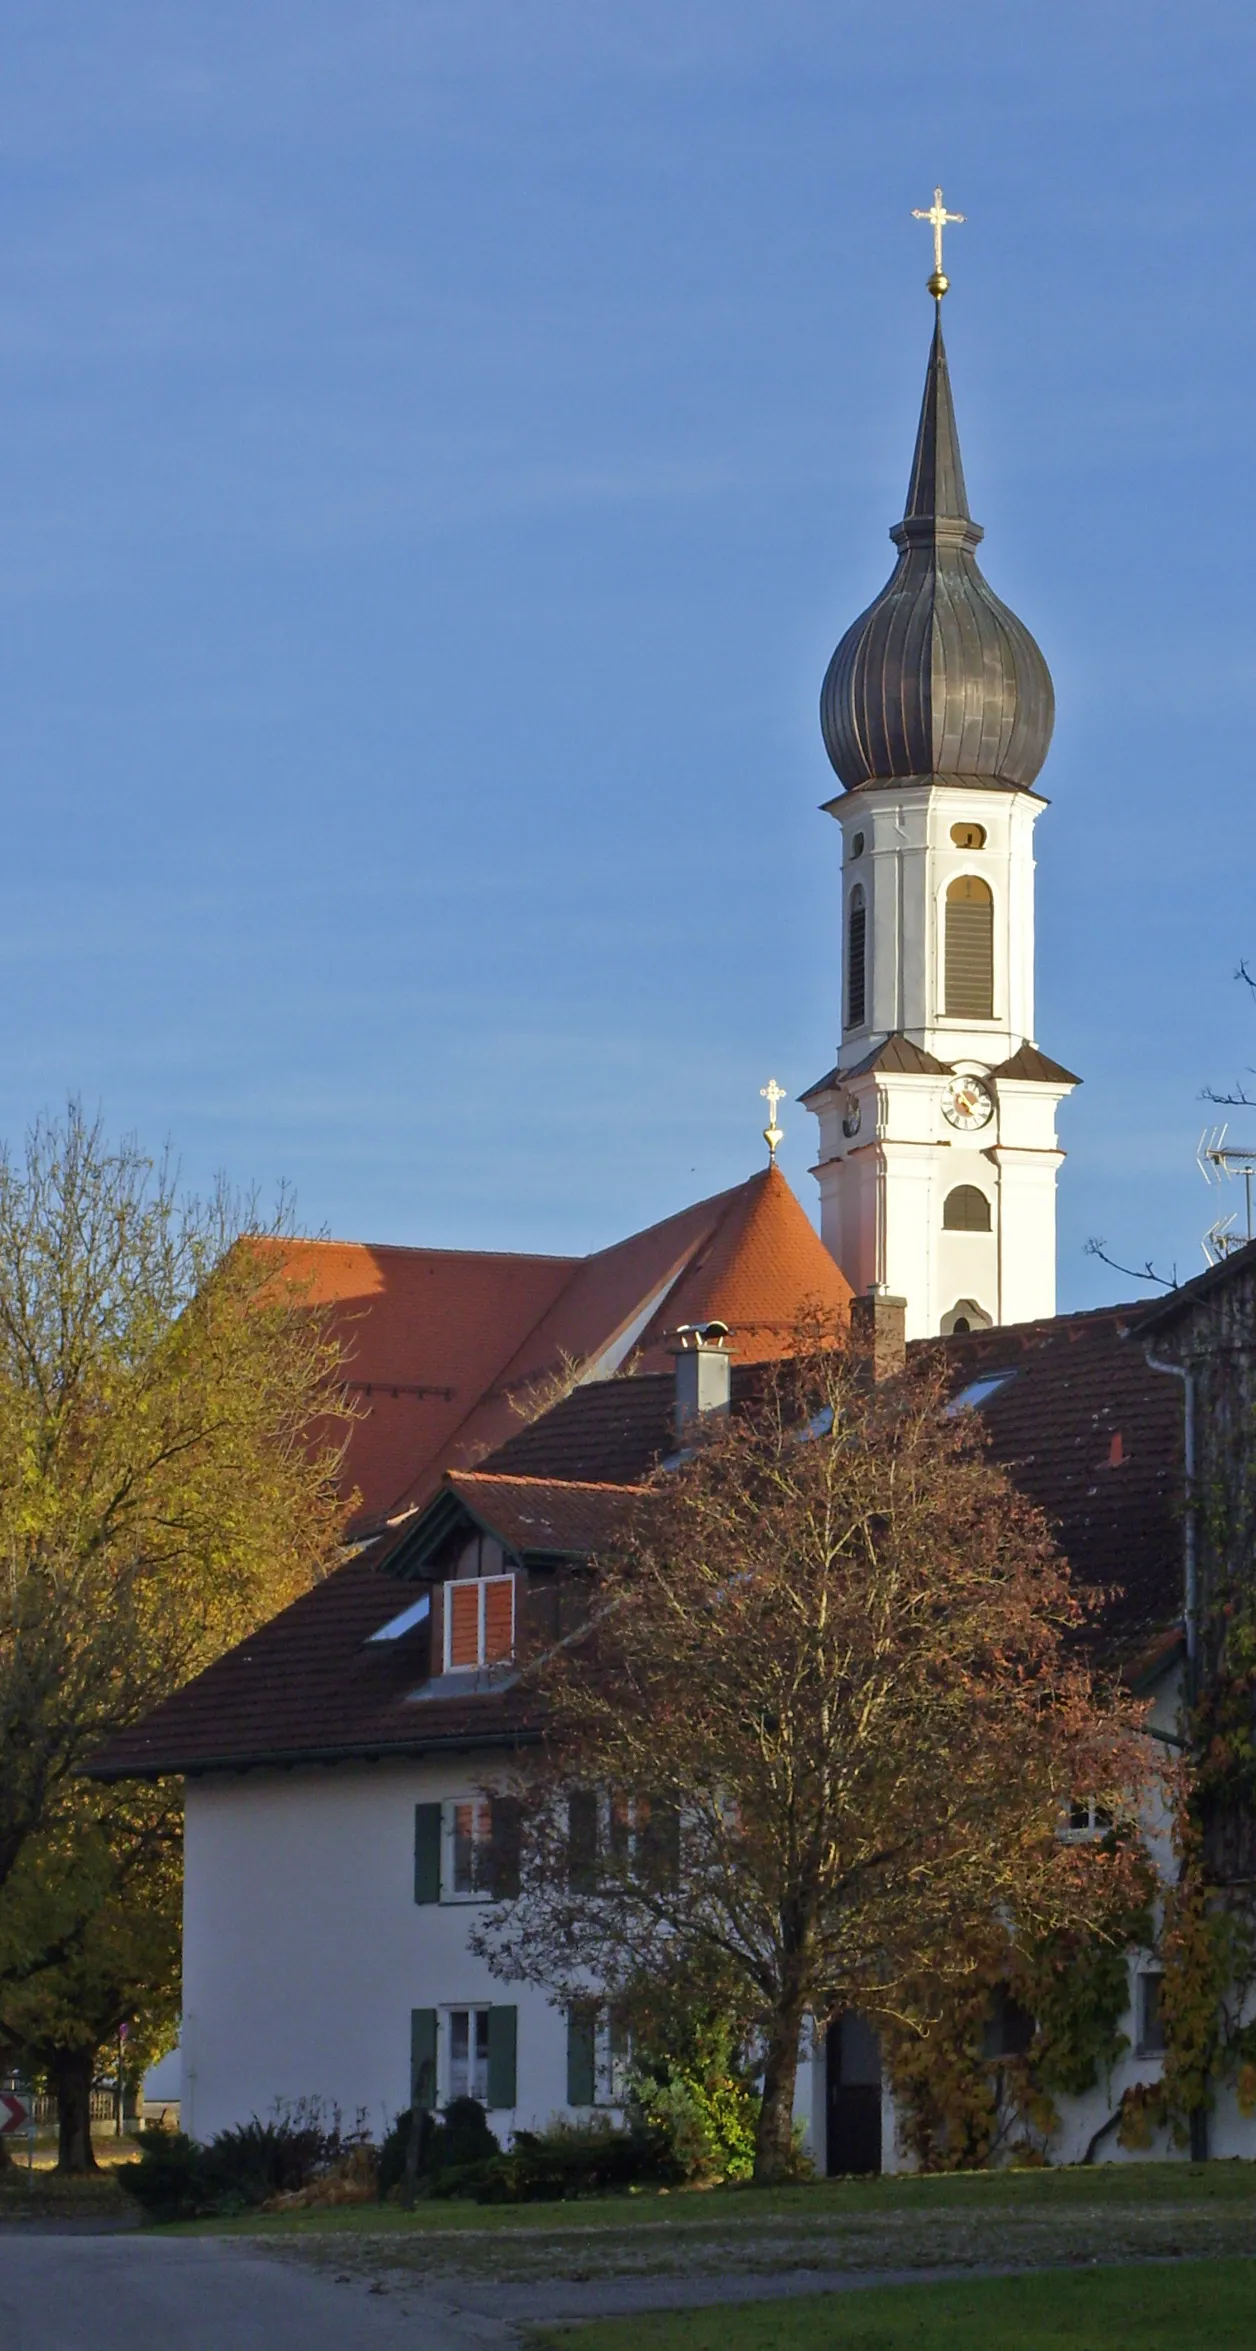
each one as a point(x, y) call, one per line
point(508, 1477)
point(713, 1200)
point(421, 1249)
point(1042, 1322)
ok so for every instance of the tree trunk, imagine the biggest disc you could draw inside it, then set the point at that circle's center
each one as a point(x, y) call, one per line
point(70, 2074)
point(774, 2136)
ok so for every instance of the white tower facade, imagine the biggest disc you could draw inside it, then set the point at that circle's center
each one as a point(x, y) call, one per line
point(938, 1149)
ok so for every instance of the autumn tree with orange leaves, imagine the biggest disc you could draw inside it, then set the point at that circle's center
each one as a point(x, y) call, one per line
point(832, 1701)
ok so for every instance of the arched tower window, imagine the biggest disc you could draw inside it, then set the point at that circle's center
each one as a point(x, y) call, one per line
point(856, 958)
point(969, 949)
point(965, 1315)
point(966, 1210)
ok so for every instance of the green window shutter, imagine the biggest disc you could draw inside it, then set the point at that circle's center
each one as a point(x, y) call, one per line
point(582, 1841)
point(423, 2056)
point(505, 1849)
point(427, 1852)
point(503, 2036)
point(581, 2053)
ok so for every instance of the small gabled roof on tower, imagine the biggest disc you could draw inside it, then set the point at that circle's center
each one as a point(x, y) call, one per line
point(896, 1055)
point(1029, 1062)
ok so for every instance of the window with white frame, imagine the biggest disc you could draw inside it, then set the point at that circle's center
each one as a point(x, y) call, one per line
point(614, 2057)
point(643, 1835)
point(468, 1858)
point(466, 2054)
point(599, 2054)
point(1086, 1817)
point(479, 1621)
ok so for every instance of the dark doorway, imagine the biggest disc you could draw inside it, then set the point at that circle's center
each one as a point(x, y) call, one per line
point(852, 2058)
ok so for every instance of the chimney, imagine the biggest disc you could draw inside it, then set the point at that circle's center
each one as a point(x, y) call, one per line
point(704, 1372)
point(878, 1328)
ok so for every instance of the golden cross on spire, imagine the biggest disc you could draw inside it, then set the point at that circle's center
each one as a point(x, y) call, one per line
point(773, 1135)
point(938, 218)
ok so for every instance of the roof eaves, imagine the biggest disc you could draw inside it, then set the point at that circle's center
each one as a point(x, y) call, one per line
point(1180, 1301)
point(288, 1758)
point(432, 1528)
point(1144, 1672)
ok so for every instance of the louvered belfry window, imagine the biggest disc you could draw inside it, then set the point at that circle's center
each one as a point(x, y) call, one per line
point(966, 1210)
point(856, 958)
point(969, 950)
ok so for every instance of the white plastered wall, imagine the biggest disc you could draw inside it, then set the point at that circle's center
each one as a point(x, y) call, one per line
point(882, 1189)
point(907, 864)
point(305, 1951)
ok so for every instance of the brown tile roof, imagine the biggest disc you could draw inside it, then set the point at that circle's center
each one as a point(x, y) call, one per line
point(310, 1686)
point(1094, 1436)
point(1084, 1426)
point(566, 1518)
point(1229, 1272)
point(441, 1340)
point(611, 1430)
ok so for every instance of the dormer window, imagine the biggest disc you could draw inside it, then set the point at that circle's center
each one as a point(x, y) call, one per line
point(479, 1621)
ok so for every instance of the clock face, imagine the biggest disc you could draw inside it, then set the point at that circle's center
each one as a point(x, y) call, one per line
point(967, 1103)
point(852, 1117)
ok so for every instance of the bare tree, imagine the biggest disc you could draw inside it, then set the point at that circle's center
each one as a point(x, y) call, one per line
point(822, 1726)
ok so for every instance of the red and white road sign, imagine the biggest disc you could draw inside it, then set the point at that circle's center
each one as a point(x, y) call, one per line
point(14, 2113)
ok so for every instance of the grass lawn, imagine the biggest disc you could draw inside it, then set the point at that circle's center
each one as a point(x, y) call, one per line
point(822, 2204)
point(1015, 2221)
point(1191, 2306)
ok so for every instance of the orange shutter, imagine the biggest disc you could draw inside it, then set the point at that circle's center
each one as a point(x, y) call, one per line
point(499, 1619)
point(464, 1623)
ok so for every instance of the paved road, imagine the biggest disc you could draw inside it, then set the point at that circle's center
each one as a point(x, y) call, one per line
point(142, 2293)
point(129, 2293)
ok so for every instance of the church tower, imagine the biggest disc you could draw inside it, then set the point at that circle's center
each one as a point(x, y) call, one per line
point(938, 1152)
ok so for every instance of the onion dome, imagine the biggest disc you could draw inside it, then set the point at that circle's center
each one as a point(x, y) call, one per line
point(937, 677)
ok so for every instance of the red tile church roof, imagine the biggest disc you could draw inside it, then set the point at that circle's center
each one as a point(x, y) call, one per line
point(440, 1340)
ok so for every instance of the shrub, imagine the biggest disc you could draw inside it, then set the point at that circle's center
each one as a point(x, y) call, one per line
point(170, 2180)
point(178, 2179)
point(696, 2098)
point(573, 2159)
point(457, 2139)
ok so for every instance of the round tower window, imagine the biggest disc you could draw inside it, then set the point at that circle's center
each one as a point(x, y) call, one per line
point(856, 844)
point(969, 836)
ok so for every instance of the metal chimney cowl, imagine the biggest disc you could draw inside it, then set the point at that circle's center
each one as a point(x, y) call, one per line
point(704, 1372)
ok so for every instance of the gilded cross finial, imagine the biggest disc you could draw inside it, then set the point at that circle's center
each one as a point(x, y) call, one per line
point(773, 1135)
point(938, 218)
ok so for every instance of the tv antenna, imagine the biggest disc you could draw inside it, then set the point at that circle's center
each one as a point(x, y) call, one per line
point(1218, 1161)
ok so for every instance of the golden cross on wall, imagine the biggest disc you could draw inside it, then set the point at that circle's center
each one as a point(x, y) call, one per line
point(773, 1135)
point(938, 218)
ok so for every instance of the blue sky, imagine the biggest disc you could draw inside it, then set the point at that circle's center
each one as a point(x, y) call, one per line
point(440, 446)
